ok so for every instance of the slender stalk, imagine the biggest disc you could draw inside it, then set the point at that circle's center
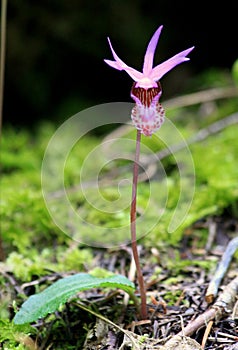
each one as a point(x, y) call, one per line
point(2, 69)
point(133, 228)
point(2, 54)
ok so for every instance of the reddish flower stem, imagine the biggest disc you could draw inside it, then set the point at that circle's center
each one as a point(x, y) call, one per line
point(133, 229)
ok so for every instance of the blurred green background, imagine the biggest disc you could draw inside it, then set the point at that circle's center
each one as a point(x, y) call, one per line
point(55, 50)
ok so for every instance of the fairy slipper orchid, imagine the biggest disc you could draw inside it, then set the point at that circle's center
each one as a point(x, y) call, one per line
point(148, 114)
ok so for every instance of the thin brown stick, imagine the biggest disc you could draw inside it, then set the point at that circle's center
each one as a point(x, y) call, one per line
point(2, 69)
point(222, 307)
point(221, 270)
point(201, 321)
point(201, 97)
point(133, 228)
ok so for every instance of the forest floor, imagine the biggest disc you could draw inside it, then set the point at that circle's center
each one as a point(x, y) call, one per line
point(187, 225)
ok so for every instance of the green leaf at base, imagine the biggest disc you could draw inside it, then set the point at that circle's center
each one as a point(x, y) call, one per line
point(51, 298)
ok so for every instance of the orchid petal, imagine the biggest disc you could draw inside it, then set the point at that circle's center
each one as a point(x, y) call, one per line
point(114, 64)
point(120, 65)
point(149, 55)
point(166, 66)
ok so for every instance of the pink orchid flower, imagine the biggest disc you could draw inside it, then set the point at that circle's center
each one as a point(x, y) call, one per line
point(148, 114)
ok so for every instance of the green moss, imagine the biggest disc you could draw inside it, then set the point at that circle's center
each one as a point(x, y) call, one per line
point(74, 259)
point(13, 336)
point(25, 219)
point(27, 266)
point(100, 272)
point(172, 297)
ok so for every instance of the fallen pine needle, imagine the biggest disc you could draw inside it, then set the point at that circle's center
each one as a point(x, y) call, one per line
point(206, 333)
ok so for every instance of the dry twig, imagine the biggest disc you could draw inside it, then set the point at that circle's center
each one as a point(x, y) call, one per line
point(222, 307)
point(201, 97)
point(221, 270)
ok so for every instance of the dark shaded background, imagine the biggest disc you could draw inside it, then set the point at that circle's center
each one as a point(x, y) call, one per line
point(55, 50)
